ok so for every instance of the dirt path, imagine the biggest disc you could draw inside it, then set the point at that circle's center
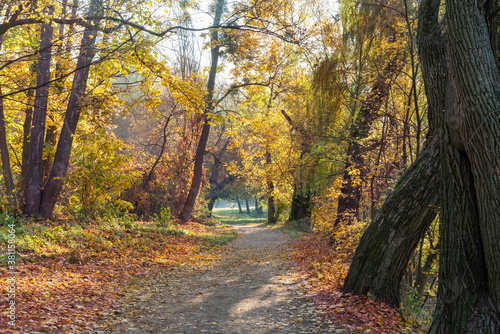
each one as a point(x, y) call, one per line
point(244, 287)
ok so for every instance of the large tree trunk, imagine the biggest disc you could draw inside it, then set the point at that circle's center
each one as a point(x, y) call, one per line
point(386, 246)
point(388, 243)
point(301, 207)
point(202, 143)
point(469, 290)
point(34, 174)
point(461, 293)
point(61, 159)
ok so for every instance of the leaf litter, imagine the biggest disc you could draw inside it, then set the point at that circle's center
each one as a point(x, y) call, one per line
point(248, 286)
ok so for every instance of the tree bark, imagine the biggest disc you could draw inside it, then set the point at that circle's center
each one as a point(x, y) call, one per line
point(258, 207)
point(63, 152)
point(239, 204)
point(51, 133)
point(202, 143)
point(34, 174)
point(247, 205)
point(301, 205)
point(26, 143)
point(216, 185)
point(421, 278)
point(469, 290)
point(4, 149)
point(386, 246)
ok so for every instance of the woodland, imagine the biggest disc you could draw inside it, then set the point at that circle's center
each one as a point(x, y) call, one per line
point(370, 128)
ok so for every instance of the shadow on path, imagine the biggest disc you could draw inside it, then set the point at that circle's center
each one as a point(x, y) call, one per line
point(247, 288)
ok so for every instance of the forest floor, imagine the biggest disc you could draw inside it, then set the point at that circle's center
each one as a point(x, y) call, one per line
point(146, 277)
point(247, 286)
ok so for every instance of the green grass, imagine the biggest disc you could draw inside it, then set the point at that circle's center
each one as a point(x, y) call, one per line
point(233, 217)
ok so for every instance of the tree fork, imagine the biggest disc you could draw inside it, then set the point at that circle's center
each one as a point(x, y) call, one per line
point(60, 163)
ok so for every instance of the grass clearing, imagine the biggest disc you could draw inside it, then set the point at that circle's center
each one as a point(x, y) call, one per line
point(233, 217)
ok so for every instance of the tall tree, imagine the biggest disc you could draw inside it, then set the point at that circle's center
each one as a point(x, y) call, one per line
point(356, 166)
point(34, 175)
point(4, 149)
point(45, 206)
point(207, 115)
point(469, 270)
point(386, 246)
point(465, 84)
point(375, 17)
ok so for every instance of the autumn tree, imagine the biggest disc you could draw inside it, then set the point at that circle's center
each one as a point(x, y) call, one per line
point(412, 205)
point(467, 299)
point(185, 215)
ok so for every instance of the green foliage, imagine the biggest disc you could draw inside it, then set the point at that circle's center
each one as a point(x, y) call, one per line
point(301, 225)
point(413, 309)
point(165, 216)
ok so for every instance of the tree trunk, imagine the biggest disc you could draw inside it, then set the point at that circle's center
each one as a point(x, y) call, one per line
point(210, 206)
point(26, 143)
point(4, 150)
point(51, 134)
point(301, 205)
point(247, 205)
point(469, 290)
point(421, 278)
point(271, 209)
point(34, 174)
point(202, 143)
point(239, 204)
point(258, 207)
point(63, 152)
point(386, 246)
point(217, 186)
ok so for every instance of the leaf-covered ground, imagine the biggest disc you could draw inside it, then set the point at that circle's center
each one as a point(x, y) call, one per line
point(154, 278)
point(325, 269)
point(70, 275)
point(248, 286)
